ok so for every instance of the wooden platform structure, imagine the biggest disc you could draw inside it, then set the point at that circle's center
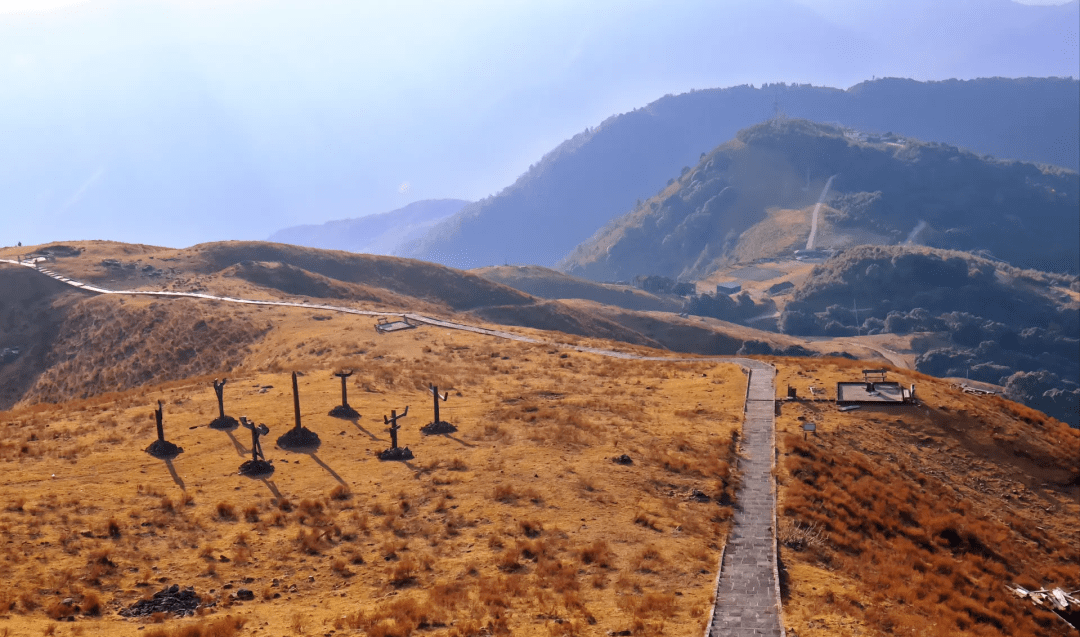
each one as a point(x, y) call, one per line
point(386, 325)
point(873, 389)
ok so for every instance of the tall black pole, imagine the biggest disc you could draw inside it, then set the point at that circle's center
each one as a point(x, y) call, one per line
point(435, 390)
point(296, 401)
point(158, 417)
point(344, 390)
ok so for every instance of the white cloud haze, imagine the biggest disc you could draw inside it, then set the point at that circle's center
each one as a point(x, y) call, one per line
point(232, 119)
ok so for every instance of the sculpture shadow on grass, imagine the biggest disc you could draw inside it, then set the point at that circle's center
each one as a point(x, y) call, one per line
point(175, 476)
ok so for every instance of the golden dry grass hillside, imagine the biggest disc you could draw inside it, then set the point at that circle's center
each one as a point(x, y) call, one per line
point(70, 337)
point(910, 520)
point(77, 344)
point(551, 284)
point(519, 523)
point(900, 520)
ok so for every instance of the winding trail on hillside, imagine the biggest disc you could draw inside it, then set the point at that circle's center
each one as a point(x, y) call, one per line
point(812, 239)
point(748, 585)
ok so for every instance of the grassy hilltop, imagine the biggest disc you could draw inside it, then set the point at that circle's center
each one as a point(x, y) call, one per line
point(518, 523)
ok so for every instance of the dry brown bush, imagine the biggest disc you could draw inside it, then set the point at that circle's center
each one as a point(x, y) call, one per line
point(598, 553)
point(225, 511)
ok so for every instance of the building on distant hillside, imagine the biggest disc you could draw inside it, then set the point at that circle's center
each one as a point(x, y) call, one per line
point(728, 287)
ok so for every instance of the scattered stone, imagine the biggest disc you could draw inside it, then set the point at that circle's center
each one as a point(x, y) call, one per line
point(396, 453)
point(344, 411)
point(302, 438)
point(181, 602)
point(164, 450)
point(623, 460)
point(228, 423)
point(256, 469)
point(435, 428)
point(245, 594)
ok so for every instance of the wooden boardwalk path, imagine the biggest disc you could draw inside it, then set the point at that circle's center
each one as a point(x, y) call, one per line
point(748, 592)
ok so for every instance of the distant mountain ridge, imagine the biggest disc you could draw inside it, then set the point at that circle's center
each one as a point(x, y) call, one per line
point(600, 173)
point(748, 199)
point(374, 234)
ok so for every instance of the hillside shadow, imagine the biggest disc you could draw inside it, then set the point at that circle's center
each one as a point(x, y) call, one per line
point(273, 488)
point(175, 476)
point(240, 449)
point(459, 440)
point(325, 466)
point(785, 577)
point(356, 423)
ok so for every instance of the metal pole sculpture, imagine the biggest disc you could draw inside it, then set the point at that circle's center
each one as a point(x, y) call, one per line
point(437, 426)
point(162, 448)
point(298, 437)
point(257, 467)
point(159, 416)
point(395, 452)
point(222, 422)
point(344, 410)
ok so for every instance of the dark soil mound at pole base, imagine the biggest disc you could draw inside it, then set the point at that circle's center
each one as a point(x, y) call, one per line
point(164, 450)
point(434, 428)
point(171, 599)
point(228, 423)
point(344, 411)
point(256, 469)
point(400, 453)
point(302, 438)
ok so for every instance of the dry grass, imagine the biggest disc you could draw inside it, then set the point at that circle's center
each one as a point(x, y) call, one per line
point(221, 627)
point(518, 519)
point(518, 523)
point(911, 520)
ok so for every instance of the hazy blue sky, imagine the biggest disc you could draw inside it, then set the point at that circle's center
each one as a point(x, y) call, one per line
point(175, 122)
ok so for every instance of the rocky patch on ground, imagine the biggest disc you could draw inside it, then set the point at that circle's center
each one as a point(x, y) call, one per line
point(178, 601)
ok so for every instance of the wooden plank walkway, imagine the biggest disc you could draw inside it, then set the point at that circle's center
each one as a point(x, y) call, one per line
point(748, 592)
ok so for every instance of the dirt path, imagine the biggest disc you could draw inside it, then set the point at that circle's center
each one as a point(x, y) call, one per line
point(748, 593)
